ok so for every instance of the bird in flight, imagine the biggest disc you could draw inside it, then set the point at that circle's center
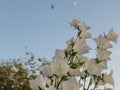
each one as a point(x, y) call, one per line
point(52, 6)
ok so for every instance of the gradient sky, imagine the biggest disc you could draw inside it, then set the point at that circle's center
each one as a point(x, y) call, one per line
point(35, 25)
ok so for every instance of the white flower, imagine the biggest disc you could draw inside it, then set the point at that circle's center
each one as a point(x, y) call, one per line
point(94, 81)
point(75, 23)
point(103, 64)
point(93, 68)
point(85, 34)
point(112, 35)
point(80, 46)
point(71, 84)
point(59, 54)
point(75, 72)
point(102, 42)
point(34, 85)
point(70, 43)
point(84, 27)
point(103, 54)
point(108, 78)
point(80, 58)
point(39, 81)
point(51, 88)
point(47, 70)
point(61, 66)
point(107, 88)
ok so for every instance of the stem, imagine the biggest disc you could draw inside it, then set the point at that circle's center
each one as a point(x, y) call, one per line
point(59, 82)
point(84, 84)
point(80, 79)
point(89, 84)
point(95, 85)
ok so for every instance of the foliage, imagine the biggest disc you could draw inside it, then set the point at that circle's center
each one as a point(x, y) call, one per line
point(15, 74)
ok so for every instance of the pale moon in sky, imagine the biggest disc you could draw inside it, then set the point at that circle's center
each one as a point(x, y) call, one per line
point(74, 3)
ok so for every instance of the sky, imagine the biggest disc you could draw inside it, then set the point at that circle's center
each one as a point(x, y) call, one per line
point(35, 25)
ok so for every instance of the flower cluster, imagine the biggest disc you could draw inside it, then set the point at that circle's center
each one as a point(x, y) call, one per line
point(71, 69)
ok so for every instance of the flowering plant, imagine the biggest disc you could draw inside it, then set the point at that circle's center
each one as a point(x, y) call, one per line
point(71, 69)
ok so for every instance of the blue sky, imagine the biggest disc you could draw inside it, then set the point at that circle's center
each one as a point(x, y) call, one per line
point(33, 24)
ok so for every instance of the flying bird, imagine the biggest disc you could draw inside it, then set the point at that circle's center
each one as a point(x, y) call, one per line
point(52, 6)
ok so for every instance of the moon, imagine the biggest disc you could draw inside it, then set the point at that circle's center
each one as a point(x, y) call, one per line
point(74, 3)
